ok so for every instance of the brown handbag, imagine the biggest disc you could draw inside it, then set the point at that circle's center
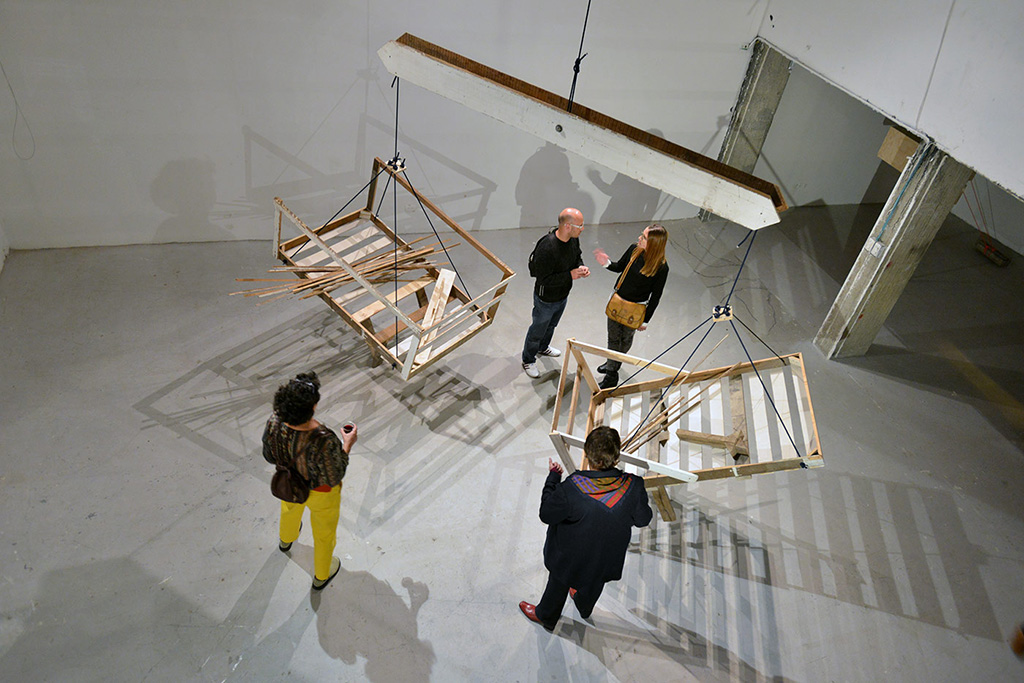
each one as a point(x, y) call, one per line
point(289, 486)
point(628, 313)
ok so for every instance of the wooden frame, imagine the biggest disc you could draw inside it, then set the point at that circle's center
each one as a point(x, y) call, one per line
point(711, 424)
point(657, 162)
point(403, 326)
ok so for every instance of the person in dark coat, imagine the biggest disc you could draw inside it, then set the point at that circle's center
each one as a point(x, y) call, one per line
point(590, 518)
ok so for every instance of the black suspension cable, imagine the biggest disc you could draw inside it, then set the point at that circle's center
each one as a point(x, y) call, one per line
point(383, 195)
point(742, 263)
point(431, 224)
point(668, 386)
point(579, 59)
point(340, 210)
point(353, 198)
point(397, 85)
point(759, 339)
point(653, 360)
point(394, 197)
point(763, 386)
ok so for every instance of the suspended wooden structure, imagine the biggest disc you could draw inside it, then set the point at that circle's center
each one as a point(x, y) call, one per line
point(687, 427)
point(410, 312)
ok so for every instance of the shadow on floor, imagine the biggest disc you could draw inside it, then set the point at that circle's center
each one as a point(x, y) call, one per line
point(880, 545)
point(607, 638)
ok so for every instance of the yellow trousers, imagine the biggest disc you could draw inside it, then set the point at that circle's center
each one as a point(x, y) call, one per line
point(324, 511)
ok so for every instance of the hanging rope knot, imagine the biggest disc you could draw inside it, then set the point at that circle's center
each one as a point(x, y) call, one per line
point(576, 64)
point(722, 313)
point(397, 164)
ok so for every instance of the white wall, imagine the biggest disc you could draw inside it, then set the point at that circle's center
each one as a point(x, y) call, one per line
point(822, 146)
point(177, 121)
point(950, 69)
point(994, 211)
point(5, 247)
point(164, 122)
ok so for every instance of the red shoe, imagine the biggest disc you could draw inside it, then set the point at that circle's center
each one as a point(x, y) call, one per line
point(1017, 641)
point(531, 613)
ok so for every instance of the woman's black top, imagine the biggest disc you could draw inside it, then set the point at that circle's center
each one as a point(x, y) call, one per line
point(637, 287)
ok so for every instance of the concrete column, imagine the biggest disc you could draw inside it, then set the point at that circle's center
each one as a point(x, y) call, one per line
point(928, 187)
point(760, 94)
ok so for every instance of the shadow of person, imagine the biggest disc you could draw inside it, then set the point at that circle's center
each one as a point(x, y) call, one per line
point(545, 187)
point(184, 188)
point(629, 199)
point(362, 616)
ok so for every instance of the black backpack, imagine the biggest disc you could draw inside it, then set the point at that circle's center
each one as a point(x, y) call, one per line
point(533, 268)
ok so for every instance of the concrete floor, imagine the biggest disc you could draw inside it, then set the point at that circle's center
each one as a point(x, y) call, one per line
point(139, 536)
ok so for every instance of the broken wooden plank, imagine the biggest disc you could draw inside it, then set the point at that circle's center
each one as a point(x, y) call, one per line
point(435, 308)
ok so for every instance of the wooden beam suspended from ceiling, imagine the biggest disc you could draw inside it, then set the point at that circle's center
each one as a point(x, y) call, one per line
point(699, 180)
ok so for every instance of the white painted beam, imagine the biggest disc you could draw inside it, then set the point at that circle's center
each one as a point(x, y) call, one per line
point(650, 465)
point(658, 163)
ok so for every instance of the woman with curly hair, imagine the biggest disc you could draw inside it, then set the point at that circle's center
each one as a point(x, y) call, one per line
point(646, 271)
point(293, 438)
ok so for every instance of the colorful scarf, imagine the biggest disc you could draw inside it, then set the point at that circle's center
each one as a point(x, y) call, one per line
point(607, 490)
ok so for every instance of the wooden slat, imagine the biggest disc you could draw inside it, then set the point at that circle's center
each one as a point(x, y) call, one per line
point(324, 229)
point(561, 384)
point(796, 415)
point(447, 346)
point(772, 419)
point(738, 414)
point(435, 309)
point(584, 367)
point(347, 242)
point(389, 332)
point(400, 179)
point(703, 438)
point(378, 306)
point(807, 409)
point(664, 504)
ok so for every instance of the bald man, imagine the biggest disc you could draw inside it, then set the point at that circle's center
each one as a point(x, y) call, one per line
point(556, 261)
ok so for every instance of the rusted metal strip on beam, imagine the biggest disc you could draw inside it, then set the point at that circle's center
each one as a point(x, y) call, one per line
point(699, 180)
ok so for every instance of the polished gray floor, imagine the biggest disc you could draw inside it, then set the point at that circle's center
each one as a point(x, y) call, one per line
point(139, 536)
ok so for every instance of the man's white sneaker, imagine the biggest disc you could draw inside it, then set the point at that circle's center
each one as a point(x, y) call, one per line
point(531, 370)
point(550, 351)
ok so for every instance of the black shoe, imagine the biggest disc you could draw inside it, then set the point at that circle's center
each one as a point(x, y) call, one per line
point(603, 368)
point(610, 381)
point(319, 585)
point(285, 547)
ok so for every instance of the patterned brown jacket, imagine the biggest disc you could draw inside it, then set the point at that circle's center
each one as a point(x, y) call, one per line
point(317, 454)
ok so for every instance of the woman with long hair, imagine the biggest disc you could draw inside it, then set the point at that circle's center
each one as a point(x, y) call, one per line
point(646, 271)
point(294, 439)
